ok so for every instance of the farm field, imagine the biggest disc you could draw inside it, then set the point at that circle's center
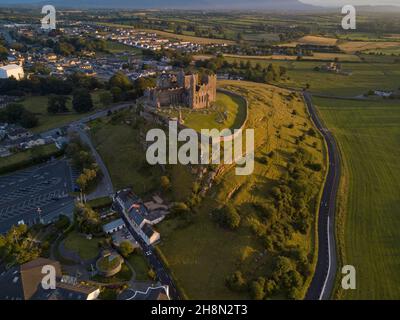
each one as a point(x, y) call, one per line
point(369, 137)
point(363, 76)
point(316, 56)
point(212, 253)
point(347, 46)
point(38, 105)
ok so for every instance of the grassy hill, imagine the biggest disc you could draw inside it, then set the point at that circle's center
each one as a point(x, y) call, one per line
point(202, 254)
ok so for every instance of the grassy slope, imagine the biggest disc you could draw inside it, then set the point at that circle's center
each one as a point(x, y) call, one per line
point(369, 137)
point(120, 147)
point(202, 254)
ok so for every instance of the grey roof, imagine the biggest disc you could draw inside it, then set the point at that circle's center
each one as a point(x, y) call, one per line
point(11, 285)
point(113, 224)
point(148, 230)
point(23, 282)
point(136, 217)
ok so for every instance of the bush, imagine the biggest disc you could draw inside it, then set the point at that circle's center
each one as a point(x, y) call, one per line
point(228, 217)
point(126, 248)
point(236, 281)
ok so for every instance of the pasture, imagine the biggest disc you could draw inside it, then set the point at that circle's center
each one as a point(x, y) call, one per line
point(368, 222)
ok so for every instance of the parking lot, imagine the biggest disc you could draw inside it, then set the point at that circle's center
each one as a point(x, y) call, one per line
point(41, 192)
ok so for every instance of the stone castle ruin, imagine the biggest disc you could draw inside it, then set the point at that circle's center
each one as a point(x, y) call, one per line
point(183, 90)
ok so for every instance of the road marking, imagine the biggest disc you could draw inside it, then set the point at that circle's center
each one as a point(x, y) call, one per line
point(329, 262)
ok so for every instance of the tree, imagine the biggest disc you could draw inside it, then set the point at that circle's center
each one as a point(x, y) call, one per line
point(86, 178)
point(152, 274)
point(179, 208)
point(257, 289)
point(16, 113)
point(62, 223)
point(165, 182)
point(28, 120)
point(116, 94)
point(236, 281)
point(88, 220)
point(82, 101)
point(57, 104)
point(229, 217)
point(106, 98)
point(121, 81)
point(126, 248)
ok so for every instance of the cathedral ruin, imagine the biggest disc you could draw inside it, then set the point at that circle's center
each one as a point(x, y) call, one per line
point(183, 90)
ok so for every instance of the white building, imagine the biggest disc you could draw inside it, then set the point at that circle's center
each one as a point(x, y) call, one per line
point(11, 70)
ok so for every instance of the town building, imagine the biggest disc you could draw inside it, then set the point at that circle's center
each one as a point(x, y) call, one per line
point(114, 226)
point(11, 70)
point(183, 90)
point(139, 218)
point(24, 283)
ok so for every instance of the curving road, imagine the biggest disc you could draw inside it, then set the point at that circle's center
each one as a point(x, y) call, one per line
point(324, 276)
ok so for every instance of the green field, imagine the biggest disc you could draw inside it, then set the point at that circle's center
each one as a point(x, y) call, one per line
point(139, 265)
point(116, 47)
point(87, 249)
point(27, 154)
point(369, 137)
point(38, 105)
point(234, 107)
point(363, 77)
point(202, 254)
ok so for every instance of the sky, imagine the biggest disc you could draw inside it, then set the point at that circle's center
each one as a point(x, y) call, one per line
point(353, 2)
point(209, 3)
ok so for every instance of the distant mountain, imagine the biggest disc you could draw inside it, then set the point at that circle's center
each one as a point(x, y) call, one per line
point(169, 4)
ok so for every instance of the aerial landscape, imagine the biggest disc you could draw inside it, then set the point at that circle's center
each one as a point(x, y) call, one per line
point(225, 150)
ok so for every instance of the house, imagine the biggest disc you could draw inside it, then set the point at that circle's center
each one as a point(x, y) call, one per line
point(114, 226)
point(134, 210)
point(4, 152)
point(66, 291)
point(150, 293)
point(25, 283)
point(383, 94)
point(11, 70)
point(149, 235)
point(17, 133)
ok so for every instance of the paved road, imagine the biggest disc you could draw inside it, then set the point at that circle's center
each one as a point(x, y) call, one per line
point(101, 113)
point(154, 261)
point(324, 277)
point(46, 186)
point(105, 187)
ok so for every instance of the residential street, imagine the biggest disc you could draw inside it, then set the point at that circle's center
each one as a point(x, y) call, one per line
point(154, 261)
